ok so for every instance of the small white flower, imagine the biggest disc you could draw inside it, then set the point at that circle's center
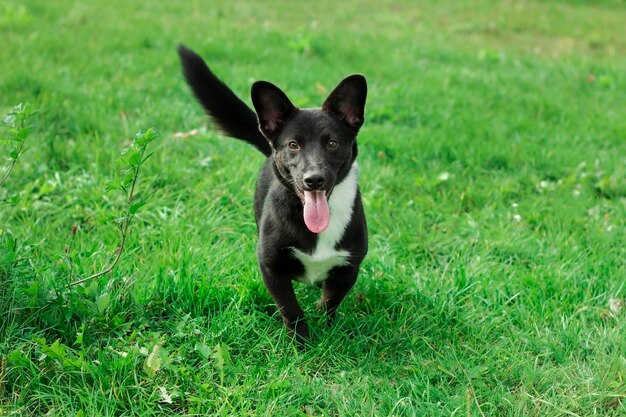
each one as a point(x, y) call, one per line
point(615, 305)
point(165, 396)
point(517, 218)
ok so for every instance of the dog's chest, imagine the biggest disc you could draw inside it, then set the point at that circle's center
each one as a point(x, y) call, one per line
point(325, 256)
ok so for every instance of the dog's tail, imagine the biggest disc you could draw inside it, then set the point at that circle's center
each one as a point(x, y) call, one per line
point(228, 112)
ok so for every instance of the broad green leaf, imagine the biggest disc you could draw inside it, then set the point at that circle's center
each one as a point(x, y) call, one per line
point(134, 157)
point(476, 371)
point(22, 134)
point(79, 335)
point(15, 199)
point(153, 362)
point(144, 138)
point(102, 301)
point(135, 207)
point(204, 350)
point(221, 358)
point(92, 289)
point(128, 179)
point(111, 185)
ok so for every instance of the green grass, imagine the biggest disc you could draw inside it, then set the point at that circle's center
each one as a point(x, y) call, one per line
point(493, 167)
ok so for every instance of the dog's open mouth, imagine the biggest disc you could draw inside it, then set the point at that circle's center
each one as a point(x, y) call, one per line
point(316, 210)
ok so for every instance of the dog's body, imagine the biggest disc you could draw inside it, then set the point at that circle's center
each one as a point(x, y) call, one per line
point(307, 203)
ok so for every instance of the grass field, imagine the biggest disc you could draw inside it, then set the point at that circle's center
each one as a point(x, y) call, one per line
point(493, 171)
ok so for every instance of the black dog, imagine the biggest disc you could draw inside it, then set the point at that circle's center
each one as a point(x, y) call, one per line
point(307, 202)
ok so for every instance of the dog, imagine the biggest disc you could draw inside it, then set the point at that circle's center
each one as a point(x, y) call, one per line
point(307, 204)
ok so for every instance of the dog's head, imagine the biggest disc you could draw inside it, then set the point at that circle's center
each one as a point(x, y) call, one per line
point(313, 149)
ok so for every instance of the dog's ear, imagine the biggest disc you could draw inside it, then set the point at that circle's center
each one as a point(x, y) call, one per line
point(272, 106)
point(347, 101)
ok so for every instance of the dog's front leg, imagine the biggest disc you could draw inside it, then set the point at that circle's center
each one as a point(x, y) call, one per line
point(281, 289)
point(338, 284)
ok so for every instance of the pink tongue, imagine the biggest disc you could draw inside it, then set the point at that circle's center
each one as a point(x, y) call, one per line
point(316, 212)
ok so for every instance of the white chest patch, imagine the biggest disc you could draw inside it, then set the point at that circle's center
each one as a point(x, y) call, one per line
point(325, 257)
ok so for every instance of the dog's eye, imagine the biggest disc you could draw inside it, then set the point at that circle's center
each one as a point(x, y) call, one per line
point(293, 145)
point(332, 144)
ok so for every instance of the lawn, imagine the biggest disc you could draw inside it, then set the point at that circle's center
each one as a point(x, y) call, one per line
point(493, 173)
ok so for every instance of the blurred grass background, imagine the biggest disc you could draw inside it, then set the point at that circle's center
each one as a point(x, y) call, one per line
point(493, 175)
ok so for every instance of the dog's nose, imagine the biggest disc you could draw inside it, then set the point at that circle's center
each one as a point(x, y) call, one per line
point(314, 180)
